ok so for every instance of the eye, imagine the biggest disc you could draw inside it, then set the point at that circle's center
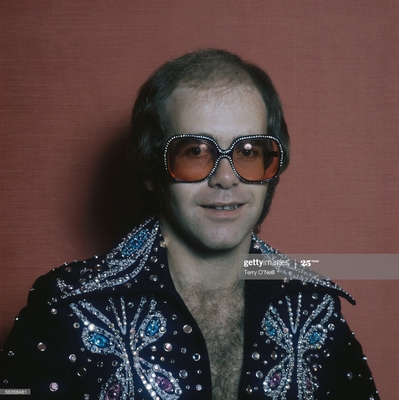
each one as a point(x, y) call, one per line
point(196, 150)
point(247, 149)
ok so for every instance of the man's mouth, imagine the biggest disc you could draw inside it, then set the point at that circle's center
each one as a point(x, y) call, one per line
point(233, 207)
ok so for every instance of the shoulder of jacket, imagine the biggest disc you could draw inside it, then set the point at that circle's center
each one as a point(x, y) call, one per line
point(293, 277)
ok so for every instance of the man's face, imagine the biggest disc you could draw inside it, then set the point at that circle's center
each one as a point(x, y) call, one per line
point(219, 213)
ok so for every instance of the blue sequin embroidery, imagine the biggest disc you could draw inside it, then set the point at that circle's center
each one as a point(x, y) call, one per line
point(135, 243)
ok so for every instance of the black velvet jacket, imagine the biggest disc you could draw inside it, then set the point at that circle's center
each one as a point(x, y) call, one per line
point(114, 327)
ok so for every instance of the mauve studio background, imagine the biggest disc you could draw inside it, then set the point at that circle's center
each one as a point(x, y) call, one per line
point(70, 70)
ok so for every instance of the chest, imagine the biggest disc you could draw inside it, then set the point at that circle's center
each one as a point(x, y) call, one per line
point(221, 322)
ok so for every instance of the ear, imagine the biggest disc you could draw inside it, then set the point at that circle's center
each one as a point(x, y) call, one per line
point(149, 185)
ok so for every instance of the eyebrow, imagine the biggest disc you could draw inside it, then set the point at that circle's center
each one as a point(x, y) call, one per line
point(233, 138)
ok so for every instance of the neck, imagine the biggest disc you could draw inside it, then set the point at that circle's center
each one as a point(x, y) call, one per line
point(206, 269)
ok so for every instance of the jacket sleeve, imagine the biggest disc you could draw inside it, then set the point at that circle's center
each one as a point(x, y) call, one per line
point(41, 352)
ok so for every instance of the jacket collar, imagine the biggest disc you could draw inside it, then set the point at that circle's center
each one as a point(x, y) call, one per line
point(140, 263)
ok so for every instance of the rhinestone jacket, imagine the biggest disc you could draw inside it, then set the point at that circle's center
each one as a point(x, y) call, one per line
point(114, 328)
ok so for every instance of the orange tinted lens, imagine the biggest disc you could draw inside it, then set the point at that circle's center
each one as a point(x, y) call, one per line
point(190, 159)
point(256, 159)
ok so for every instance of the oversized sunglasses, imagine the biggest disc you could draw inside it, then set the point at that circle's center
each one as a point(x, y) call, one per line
point(194, 158)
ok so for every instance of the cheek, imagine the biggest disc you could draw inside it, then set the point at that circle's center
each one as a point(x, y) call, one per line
point(179, 195)
point(259, 192)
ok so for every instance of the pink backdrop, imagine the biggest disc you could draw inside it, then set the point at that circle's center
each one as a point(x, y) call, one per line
point(69, 73)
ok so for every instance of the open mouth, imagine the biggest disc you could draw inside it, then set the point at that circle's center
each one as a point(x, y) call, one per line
point(233, 207)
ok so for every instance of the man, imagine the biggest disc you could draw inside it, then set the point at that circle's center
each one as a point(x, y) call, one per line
point(164, 315)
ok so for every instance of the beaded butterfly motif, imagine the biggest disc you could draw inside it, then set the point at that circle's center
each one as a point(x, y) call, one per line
point(311, 336)
point(102, 336)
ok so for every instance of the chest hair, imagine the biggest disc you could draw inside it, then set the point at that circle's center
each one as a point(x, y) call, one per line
point(220, 316)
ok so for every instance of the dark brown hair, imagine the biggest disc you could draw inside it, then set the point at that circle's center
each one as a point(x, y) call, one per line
point(200, 69)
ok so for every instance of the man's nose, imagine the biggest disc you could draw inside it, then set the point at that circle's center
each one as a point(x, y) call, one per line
point(224, 176)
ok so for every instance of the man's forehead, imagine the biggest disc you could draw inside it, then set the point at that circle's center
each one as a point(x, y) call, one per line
point(221, 112)
point(187, 100)
point(203, 93)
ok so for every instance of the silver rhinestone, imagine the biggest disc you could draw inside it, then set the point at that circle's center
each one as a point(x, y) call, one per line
point(114, 363)
point(91, 327)
point(196, 357)
point(183, 374)
point(153, 278)
point(349, 375)
point(198, 387)
point(41, 346)
point(167, 347)
point(153, 259)
point(255, 355)
point(326, 353)
point(10, 353)
point(183, 350)
point(100, 364)
point(53, 311)
point(72, 358)
point(274, 355)
point(86, 396)
point(82, 371)
point(53, 386)
point(315, 296)
point(187, 329)
point(259, 375)
point(249, 389)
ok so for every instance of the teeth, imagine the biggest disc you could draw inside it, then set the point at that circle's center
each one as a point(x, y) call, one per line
point(225, 207)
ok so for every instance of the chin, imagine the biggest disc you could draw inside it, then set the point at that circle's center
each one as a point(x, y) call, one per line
point(221, 240)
